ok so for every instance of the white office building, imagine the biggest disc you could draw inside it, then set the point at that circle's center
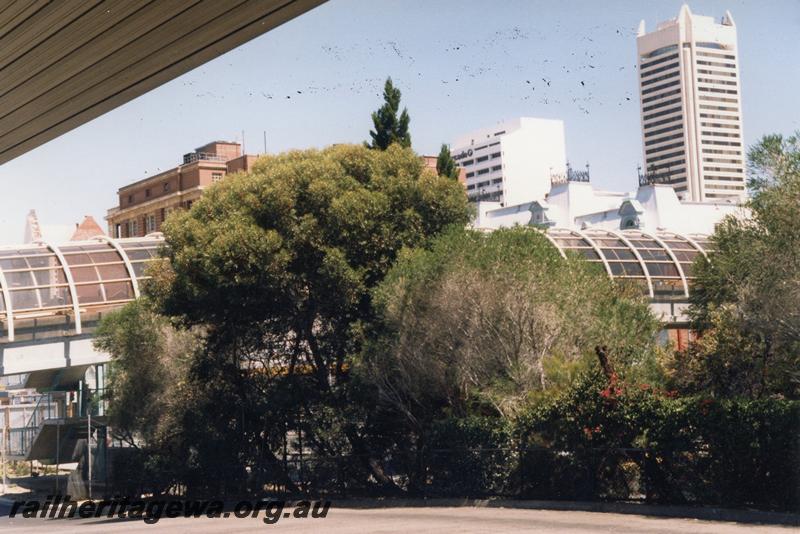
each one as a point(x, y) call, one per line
point(512, 162)
point(691, 107)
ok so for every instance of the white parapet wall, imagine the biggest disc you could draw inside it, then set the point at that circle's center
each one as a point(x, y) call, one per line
point(56, 353)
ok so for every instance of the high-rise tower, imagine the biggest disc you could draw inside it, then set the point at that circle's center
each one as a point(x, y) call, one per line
point(691, 107)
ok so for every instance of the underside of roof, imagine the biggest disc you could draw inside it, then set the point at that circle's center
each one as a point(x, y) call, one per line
point(64, 63)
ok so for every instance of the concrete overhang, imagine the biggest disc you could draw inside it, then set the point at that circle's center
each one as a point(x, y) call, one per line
point(64, 63)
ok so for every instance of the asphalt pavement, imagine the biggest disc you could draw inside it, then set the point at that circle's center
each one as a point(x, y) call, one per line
point(467, 520)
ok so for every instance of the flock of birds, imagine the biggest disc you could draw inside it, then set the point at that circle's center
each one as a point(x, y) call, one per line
point(489, 58)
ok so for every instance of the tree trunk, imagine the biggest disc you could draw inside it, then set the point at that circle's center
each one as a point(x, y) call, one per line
point(372, 464)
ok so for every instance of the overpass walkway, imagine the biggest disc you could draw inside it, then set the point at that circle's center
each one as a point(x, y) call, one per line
point(52, 298)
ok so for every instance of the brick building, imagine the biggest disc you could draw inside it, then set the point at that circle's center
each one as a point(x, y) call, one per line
point(430, 163)
point(144, 205)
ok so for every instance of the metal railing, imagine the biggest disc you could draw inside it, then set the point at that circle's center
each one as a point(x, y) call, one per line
point(572, 175)
point(202, 156)
point(655, 176)
point(20, 439)
point(51, 406)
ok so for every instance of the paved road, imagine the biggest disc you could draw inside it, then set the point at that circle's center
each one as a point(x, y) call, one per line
point(389, 520)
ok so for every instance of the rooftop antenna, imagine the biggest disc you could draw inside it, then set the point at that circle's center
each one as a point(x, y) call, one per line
point(265, 141)
point(243, 150)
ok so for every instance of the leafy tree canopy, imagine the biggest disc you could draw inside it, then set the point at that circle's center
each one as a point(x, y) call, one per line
point(481, 321)
point(295, 246)
point(389, 128)
point(746, 298)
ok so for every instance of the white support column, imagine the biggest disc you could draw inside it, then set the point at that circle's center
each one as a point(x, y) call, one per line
point(76, 309)
point(596, 249)
point(622, 238)
point(8, 304)
point(553, 242)
point(674, 260)
point(128, 265)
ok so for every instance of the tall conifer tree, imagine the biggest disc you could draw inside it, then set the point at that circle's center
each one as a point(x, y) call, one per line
point(445, 164)
point(389, 128)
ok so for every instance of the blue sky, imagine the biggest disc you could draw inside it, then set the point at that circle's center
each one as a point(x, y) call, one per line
point(461, 65)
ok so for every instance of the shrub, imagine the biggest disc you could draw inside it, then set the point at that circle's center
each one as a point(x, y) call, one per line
point(631, 440)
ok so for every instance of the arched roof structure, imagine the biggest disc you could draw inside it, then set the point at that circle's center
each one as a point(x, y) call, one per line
point(42, 279)
point(83, 277)
point(661, 262)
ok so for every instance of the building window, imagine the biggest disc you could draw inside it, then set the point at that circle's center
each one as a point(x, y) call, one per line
point(657, 105)
point(659, 69)
point(659, 51)
point(133, 228)
point(658, 88)
point(659, 96)
point(150, 224)
point(130, 199)
point(166, 186)
point(660, 60)
point(146, 193)
point(216, 177)
point(661, 78)
point(470, 174)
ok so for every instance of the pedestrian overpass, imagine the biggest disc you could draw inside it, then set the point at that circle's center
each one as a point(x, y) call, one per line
point(52, 298)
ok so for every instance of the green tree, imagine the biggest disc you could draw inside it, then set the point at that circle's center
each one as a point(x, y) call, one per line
point(277, 266)
point(445, 164)
point(389, 128)
point(480, 322)
point(147, 356)
point(772, 159)
point(746, 298)
point(145, 396)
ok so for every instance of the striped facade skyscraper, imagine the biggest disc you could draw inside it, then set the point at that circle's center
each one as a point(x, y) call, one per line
point(691, 107)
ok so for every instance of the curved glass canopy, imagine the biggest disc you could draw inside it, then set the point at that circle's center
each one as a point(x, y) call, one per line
point(42, 280)
point(65, 287)
point(661, 262)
